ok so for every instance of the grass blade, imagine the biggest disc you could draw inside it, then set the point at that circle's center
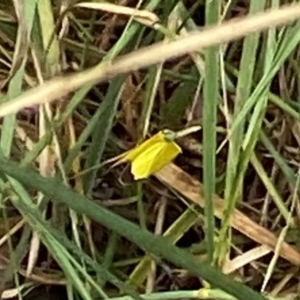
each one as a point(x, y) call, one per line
point(211, 97)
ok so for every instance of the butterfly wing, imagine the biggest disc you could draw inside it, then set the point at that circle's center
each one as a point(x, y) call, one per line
point(154, 158)
point(141, 165)
point(132, 154)
point(165, 156)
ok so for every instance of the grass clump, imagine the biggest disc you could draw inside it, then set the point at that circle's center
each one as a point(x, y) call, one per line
point(84, 82)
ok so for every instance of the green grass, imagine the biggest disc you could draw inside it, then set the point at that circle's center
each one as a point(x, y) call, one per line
point(131, 78)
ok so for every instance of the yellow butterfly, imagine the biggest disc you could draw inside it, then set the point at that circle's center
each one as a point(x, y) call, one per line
point(153, 154)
